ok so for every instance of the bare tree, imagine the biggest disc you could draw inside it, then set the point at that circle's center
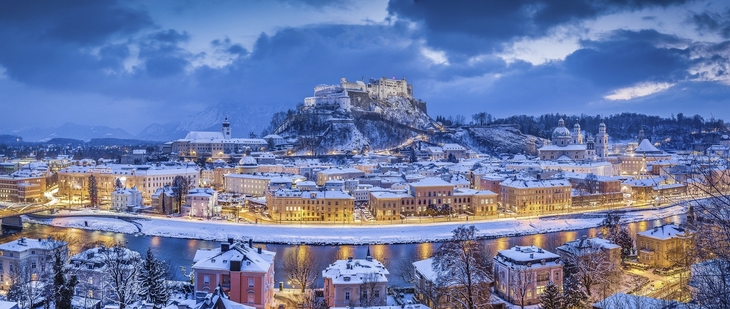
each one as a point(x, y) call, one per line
point(592, 266)
point(300, 268)
point(309, 300)
point(711, 284)
point(25, 289)
point(463, 265)
point(520, 283)
point(122, 267)
point(370, 291)
point(709, 216)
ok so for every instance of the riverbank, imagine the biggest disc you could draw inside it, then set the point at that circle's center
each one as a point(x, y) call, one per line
point(336, 235)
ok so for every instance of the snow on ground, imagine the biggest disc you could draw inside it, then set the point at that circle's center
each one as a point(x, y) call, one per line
point(351, 234)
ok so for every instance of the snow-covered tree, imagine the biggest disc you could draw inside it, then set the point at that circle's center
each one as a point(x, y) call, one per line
point(93, 191)
point(624, 240)
point(463, 265)
point(591, 265)
point(24, 289)
point(153, 281)
point(63, 284)
point(122, 268)
point(574, 296)
point(118, 184)
point(551, 298)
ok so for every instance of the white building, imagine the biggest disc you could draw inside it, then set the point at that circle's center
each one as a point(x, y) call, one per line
point(355, 282)
point(126, 199)
point(522, 273)
point(203, 202)
point(28, 257)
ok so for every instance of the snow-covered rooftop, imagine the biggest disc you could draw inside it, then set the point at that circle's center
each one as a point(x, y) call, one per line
point(356, 271)
point(666, 232)
point(526, 254)
point(24, 244)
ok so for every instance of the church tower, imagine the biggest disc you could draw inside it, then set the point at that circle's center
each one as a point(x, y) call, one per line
point(226, 129)
point(602, 141)
point(576, 138)
point(590, 148)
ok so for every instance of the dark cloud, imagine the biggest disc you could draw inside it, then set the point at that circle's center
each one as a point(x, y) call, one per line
point(48, 43)
point(628, 57)
point(128, 58)
point(340, 4)
point(712, 21)
point(476, 27)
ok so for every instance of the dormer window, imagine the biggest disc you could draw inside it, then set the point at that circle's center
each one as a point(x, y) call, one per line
point(347, 279)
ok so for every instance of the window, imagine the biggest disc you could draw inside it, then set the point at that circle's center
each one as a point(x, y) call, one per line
point(206, 279)
point(250, 297)
point(250, 282)
point(347, 295)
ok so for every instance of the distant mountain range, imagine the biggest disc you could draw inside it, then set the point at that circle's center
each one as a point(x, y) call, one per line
point(244, 121)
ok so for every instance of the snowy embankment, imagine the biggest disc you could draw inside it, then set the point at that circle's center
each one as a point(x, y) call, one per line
point(352, 234)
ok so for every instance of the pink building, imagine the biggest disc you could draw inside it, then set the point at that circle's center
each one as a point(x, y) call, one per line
point(245, 273)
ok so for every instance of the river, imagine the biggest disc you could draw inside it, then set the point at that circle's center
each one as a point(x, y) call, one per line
point(180, 252)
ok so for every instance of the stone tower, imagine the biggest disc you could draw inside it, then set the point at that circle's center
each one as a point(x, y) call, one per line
point(602, 141)
point(590, 148)
point(576, 138)
point(226, 129)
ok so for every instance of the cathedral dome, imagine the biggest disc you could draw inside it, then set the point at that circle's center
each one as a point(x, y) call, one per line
point(248, 161)
point(561, 130)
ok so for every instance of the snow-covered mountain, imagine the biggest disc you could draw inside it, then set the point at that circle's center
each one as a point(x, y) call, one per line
point(160, 132)
point(495, 139)
point(244, 119)
point(72, 130)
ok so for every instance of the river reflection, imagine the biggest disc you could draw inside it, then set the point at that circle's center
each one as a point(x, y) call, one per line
point(397, 258)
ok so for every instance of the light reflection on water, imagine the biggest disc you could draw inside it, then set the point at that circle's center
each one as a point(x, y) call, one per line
point(180, 252)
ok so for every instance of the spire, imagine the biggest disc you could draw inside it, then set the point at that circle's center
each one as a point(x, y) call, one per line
point(368, 256)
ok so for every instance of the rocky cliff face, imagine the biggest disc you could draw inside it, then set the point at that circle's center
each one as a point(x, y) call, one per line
point(368, 125)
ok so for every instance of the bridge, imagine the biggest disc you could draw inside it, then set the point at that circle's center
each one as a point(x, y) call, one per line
point(10, 216)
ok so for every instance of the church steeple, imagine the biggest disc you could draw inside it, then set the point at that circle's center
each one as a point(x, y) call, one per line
point(226, 129)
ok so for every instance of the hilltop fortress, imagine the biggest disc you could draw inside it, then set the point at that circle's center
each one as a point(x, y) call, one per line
point(358, 94)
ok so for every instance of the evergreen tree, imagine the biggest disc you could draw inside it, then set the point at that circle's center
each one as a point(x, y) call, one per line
point(574, 297)
point(624, 240)
point(152, 276)
point(93, 191)
point(63, 288)
point(118, 184)
point(551, 297)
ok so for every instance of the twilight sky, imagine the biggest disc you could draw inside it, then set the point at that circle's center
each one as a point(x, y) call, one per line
point(129, 64)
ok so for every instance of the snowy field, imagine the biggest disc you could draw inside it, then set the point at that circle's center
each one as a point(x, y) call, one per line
point(317, 234)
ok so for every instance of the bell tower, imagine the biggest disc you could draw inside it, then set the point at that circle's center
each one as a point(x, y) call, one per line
point(226, 129)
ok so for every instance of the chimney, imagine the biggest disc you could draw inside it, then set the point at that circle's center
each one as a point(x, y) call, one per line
point(259, 250)
point(230, 240)
point(225, 246)
point(250, 242)
point(349, 259)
